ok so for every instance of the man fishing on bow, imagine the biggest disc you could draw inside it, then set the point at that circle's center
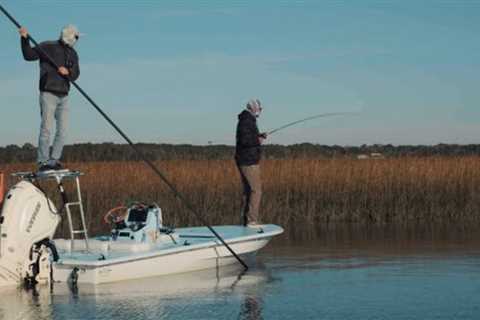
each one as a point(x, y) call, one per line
point(54, 87)
point(247, 158)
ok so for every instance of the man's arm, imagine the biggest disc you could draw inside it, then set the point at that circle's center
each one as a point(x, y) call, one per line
point(75, 69)
point(28, 52)
point(262, 137)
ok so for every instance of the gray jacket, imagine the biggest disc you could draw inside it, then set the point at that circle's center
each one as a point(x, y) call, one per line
point(63, 55)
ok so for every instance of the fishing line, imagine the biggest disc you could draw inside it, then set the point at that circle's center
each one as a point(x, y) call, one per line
point(180, 196)
point(323, 115)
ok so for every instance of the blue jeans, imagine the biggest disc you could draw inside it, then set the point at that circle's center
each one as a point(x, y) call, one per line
point(52, 109)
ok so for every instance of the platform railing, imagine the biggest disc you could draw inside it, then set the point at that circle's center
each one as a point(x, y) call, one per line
point(59, 176)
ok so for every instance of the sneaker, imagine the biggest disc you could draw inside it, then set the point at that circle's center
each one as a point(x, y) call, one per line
point(44, 167)
point(254, 224)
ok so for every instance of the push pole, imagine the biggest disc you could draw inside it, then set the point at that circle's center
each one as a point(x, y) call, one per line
point(149, 163)
point(2, 188)
point(2, 194)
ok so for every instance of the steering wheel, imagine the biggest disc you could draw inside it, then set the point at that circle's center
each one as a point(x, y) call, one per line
point(115, 215)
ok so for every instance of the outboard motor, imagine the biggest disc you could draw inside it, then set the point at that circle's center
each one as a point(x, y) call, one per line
point(28, 222)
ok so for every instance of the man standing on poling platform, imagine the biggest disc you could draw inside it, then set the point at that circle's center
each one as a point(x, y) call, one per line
point(54, 87)
point(247, 157)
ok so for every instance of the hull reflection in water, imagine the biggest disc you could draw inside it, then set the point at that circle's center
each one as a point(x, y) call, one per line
point(301, 281)
point(237, 293)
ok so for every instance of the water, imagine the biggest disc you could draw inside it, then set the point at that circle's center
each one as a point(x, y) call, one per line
point(341, 275)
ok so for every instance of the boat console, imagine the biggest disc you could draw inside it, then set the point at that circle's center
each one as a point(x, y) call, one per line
point(141, 223)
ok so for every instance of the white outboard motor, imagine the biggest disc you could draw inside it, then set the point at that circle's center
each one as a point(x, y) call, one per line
point(28, 222)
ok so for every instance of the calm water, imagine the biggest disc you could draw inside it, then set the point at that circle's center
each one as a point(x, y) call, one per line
point(341, 274)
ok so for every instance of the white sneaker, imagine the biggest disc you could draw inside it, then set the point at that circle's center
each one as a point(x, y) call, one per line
point(254, 224)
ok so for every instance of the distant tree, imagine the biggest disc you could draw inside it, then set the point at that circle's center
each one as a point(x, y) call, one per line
point(121, 152)
point(28, 146)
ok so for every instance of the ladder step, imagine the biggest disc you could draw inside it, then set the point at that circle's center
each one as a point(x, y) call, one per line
point(79, 231)
point(73, 204)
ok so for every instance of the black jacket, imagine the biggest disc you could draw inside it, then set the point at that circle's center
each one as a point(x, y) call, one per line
point(248, 150)
point(63, 55)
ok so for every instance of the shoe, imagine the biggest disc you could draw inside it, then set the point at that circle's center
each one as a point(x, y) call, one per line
point(254, 224)
point(43, 166)
point(57, 166)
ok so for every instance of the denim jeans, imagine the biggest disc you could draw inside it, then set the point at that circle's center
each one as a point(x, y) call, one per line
point(52, 109)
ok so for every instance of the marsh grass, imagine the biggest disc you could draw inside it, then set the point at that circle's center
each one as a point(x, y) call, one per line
point(297, 193)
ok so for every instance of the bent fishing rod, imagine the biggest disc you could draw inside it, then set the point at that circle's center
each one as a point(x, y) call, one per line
point(150, 164)
point(323, 115)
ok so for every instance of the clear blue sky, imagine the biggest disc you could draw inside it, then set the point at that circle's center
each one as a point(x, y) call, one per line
point(180, 71)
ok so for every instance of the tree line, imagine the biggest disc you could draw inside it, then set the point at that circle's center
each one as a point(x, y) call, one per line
point(86, 152)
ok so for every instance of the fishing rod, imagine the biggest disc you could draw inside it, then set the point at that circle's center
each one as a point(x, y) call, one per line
point(150, 164)
point(323, 115)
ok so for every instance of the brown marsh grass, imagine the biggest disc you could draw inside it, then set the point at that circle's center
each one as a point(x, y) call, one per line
point(296, 193)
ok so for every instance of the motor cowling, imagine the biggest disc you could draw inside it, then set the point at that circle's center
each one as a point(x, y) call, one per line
point(29, 219)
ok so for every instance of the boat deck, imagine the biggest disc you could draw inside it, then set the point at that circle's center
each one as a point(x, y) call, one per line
point(103, 251)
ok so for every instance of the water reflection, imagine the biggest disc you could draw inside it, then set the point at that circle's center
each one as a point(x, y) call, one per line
point(191, 295)
point(251, 308)
point(337, 240)
point(344, 274)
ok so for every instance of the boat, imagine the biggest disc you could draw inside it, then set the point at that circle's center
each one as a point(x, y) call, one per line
point(138, 246)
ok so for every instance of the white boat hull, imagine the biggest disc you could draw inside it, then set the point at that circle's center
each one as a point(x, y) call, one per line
point(202, 251)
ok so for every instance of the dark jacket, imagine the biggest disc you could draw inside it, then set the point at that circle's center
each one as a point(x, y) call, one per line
point(248, 150)
point(62, 55)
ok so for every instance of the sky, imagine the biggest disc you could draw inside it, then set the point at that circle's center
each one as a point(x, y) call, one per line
point(181, 71)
